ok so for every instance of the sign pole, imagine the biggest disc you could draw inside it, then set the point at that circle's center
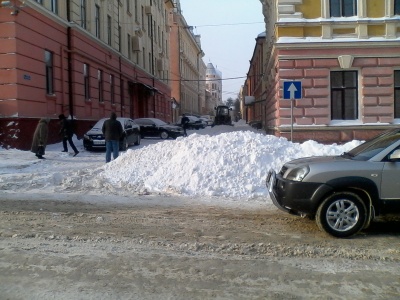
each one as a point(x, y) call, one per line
point(291, 117)
point(292, 91)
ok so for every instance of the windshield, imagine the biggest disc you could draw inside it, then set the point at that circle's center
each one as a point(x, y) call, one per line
point(372, 147)
point(100, 123)
point(157, 122)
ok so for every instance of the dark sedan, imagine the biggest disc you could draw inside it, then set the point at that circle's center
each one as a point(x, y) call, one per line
point(195, 123)
point(152, 127)
point(94, 138)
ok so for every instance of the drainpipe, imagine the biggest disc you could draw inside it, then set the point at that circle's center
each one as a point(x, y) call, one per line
point(69, 47)
point(152, 66)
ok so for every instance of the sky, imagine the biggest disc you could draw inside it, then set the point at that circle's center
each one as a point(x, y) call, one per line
point(228, 30)
point(223, 165)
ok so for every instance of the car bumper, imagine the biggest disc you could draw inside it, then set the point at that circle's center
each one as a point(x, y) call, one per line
point(295, 197)
point(94, 143)
point(175, 135)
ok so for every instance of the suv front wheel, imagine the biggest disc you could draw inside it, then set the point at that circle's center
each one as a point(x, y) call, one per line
point(342, 214)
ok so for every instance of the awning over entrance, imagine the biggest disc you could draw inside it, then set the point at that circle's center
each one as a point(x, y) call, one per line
point(151, 88)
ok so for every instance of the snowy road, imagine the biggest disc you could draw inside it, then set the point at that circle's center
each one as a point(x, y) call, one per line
point(169, 248)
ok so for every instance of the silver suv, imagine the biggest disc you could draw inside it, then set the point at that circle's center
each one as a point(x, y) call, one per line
point(344, 193)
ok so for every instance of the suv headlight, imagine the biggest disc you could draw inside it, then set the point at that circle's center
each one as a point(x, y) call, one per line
point(297, 174)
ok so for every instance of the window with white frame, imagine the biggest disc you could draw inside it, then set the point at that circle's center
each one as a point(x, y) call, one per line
point(344, 96)
point(343, 8)
point(54, 6)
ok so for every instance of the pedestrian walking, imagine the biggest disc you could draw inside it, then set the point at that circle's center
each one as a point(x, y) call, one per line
point(184, 123)
point(112, 130)
point(39, 140)
point(67, 133)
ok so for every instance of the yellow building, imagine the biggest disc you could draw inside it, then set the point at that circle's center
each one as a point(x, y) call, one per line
point(346, 56)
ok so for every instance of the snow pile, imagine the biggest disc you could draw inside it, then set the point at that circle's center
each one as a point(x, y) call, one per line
point(231, 164)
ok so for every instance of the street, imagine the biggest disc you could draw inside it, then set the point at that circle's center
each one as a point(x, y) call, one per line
point(162, 247)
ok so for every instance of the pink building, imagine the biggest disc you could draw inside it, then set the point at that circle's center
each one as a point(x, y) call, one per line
point(346, 54)
point(85, 68)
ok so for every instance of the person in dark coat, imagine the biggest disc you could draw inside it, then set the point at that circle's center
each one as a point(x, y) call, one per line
point(39, 140)
point(184, 123)
point(67, 132)
point(112, 130)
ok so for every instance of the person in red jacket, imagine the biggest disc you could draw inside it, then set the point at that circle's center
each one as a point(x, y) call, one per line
point(112, 130)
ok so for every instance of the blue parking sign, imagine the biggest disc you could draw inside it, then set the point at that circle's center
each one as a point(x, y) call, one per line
point(292, 90)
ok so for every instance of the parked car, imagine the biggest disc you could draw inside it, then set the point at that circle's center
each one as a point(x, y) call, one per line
point(344, 193)
point(207, 119)
point(94, 138)
point(152, 127)
point(194, 123)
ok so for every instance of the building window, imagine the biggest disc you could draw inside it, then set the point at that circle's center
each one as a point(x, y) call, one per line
point(97, 20)
point(109, 29)
point(129, 46)
point(112, 89)
point(48, 58)
point(397, 94)
point(397, 7)
point(136, 11)
point(100, 85)
point(119, 38)
point(149, 26)
point(344, 95)
point(343, 8)
point(128, 6)
point(86, 80)
point(54, 6)
point(122, 93)
point(83, 13)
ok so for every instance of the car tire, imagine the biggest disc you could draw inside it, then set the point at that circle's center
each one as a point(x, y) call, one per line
point(124, 145)
point(342, 214)
point(138, 138)
point(164, 135)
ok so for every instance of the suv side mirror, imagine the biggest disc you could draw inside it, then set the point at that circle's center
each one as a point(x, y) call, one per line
point(395, 156)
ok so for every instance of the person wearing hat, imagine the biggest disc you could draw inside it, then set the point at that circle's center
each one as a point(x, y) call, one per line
point(67, 132)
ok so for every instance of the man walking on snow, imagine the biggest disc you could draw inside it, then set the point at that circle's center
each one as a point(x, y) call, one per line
point(112, 130)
